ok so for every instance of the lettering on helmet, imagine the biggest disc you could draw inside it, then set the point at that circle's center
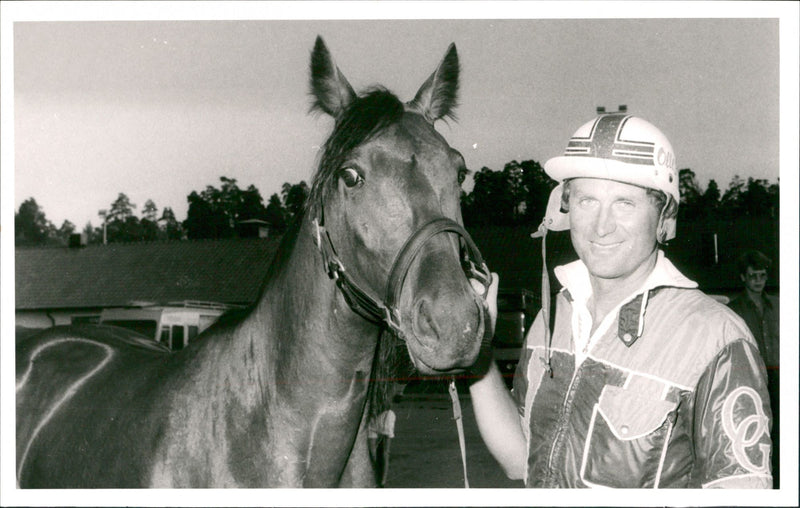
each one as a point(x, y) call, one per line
point(665, 158)
point(749, 430)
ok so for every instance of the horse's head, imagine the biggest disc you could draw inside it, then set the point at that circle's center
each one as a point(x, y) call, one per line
point(384, 174)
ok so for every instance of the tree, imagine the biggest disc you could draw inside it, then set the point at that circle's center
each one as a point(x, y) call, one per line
point(514, 174)
point(65, 231)
point(121, 224)
point(774, 199)
point(251, 206)
point(516, 195)
point(171, 228)
point(150, 211)
point(708, 204)
point(31, 227)
point(730, 201)
point(275, 215)
point(218, 213)
point(490, 201)
point(690, 205)
point(538, 186)
point(294, 199)
point(227, 200)
point(203, 220)
point(121, 208)
point(148, 225)
point(756, 200)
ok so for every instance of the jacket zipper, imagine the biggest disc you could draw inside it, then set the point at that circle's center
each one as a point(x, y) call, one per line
point(562, 420)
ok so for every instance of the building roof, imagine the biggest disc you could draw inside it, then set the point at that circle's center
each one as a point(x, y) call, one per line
point(227, 271)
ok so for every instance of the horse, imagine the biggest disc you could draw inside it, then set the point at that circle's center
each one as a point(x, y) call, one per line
point(280, 395)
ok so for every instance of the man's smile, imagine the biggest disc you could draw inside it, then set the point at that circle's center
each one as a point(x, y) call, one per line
point(605, 245)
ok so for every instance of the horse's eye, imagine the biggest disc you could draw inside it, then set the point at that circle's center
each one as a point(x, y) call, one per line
point(462, 175)
point(351, 177)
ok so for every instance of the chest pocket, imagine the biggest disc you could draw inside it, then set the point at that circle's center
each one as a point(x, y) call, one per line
point(627, 439)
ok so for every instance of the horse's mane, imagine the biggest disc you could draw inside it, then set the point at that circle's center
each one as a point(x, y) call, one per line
point(363, 119)
point(282, 255)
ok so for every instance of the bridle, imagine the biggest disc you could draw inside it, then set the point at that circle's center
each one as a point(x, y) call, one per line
point(385, 312)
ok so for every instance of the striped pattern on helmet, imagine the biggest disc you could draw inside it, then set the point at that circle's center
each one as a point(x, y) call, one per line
point(605, 141)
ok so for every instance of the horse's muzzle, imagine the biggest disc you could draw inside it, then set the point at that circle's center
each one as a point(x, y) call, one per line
point(446, 337)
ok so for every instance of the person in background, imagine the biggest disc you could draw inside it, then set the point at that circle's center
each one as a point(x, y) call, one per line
point(644, 381)
point(761, 312)
point(380, 432)
point(758, 309)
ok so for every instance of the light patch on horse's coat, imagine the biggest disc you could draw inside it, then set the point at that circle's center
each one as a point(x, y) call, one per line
point(68, 393)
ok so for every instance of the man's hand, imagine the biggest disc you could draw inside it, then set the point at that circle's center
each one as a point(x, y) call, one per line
point(485, 358)
point(491, 296)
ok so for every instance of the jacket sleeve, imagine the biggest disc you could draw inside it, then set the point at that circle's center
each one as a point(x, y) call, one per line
point(732, 420)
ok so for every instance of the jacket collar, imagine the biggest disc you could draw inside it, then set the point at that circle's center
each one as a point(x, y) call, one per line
point(764, 297)
point(574, 277)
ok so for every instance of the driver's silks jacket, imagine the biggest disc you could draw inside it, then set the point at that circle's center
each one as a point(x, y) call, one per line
point(672, 394)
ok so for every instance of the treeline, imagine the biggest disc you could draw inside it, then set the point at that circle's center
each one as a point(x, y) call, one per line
point(514, 196)
point(215, 212)
point(222, 212)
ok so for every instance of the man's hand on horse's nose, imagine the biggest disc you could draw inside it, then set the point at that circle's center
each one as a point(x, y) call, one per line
point(490, 295)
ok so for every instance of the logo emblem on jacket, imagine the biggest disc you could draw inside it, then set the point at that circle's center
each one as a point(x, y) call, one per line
point(750, 429)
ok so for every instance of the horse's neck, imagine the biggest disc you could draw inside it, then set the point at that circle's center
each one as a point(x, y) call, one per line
point(310, 331)
point(319, 359)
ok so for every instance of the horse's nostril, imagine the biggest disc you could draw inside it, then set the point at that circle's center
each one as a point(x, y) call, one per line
point(422, 321)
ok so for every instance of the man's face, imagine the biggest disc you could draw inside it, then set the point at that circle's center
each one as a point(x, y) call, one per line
point(754, 280)
point(613, 226)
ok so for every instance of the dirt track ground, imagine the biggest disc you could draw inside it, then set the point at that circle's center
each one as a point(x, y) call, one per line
point(425, 451)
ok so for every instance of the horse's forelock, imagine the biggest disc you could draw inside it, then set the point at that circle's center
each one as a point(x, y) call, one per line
point(366, 117)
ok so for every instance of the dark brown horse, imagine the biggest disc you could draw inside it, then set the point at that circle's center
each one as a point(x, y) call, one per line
point(278, 396)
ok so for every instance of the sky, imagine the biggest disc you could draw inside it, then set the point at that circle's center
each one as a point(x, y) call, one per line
point(158, 109)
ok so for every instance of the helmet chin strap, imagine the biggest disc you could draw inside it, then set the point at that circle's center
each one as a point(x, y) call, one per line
point(554, 220)
point(664, 234)
point(546, 304)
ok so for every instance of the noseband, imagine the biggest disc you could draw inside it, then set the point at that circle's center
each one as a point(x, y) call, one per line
point(386, 312)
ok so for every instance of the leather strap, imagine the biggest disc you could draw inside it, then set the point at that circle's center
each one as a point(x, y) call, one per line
point(459, 426)
point(408, 253)
point(368, 306)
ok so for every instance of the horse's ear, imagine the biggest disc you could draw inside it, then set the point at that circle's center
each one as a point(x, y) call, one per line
point(332, 93)
point(438, 96)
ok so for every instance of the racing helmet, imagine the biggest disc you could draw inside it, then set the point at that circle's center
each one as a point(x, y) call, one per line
point(620, 147)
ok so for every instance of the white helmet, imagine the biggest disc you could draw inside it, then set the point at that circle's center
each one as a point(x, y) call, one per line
point(620, 147)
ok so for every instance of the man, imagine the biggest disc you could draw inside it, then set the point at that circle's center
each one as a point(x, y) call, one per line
point(758, 309)
point(761, 312)
point(645, 381)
